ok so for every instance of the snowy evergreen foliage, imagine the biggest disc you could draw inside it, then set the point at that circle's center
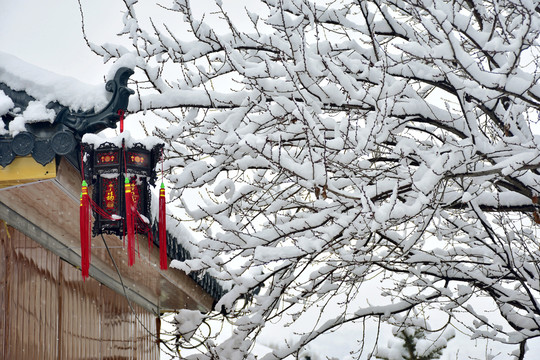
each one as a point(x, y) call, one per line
point(380, 152)
point(413, 345)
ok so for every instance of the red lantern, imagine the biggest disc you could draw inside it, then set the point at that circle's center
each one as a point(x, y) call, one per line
point(123, 212)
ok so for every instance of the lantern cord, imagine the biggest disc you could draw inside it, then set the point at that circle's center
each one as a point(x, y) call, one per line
point(156, 337)
point(103, 213)
point(82, 164)
point(145, 228)
point(124, 223)
point(162, 161)
point(124, 154)
point(138, 249)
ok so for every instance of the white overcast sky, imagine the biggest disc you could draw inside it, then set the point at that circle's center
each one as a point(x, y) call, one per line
point(47, 33)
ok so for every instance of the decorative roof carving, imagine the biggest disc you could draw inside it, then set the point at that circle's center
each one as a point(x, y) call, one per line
point(91, 122)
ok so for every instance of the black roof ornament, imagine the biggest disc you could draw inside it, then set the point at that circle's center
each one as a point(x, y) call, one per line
point(6, 154)
point(89, 121)
point(42, 152)
point(23, 143)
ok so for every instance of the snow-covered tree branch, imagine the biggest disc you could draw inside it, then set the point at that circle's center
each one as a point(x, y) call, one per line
point(350, 142)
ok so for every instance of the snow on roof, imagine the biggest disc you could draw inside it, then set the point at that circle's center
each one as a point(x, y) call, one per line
point(47, 87)
point(5, 103)
point(101, 138)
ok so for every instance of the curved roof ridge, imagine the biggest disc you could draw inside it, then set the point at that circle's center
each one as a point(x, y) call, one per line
point(47, 87)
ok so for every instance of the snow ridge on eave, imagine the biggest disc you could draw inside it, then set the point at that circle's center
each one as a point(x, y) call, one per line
point(125, 137)
point(47, 87)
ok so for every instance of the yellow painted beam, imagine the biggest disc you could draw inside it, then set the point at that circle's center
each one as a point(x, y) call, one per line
point(24, 170)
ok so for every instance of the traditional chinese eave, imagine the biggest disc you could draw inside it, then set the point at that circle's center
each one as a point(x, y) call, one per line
point(39, 211)
point(44, 140)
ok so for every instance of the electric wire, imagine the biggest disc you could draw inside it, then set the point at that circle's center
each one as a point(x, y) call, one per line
point(176, 338)
point(157, 338)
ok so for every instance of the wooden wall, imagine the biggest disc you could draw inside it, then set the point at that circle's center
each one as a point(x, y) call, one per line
point(48, 312)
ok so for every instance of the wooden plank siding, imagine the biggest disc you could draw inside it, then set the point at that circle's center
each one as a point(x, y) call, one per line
point(49, 312)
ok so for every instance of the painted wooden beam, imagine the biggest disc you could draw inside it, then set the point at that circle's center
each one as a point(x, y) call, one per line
point(25, 170)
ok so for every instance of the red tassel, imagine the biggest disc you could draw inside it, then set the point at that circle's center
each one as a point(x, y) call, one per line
point(85, 231)
point(130, 224)
point(162, 230)
point(121, 114)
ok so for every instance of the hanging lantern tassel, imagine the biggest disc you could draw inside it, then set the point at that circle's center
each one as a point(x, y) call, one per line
point(121, 115)
point(130, 223)
point(85, 230)
point(162, 230)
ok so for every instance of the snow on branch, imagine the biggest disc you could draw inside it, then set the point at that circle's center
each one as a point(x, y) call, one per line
point(350, 150)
